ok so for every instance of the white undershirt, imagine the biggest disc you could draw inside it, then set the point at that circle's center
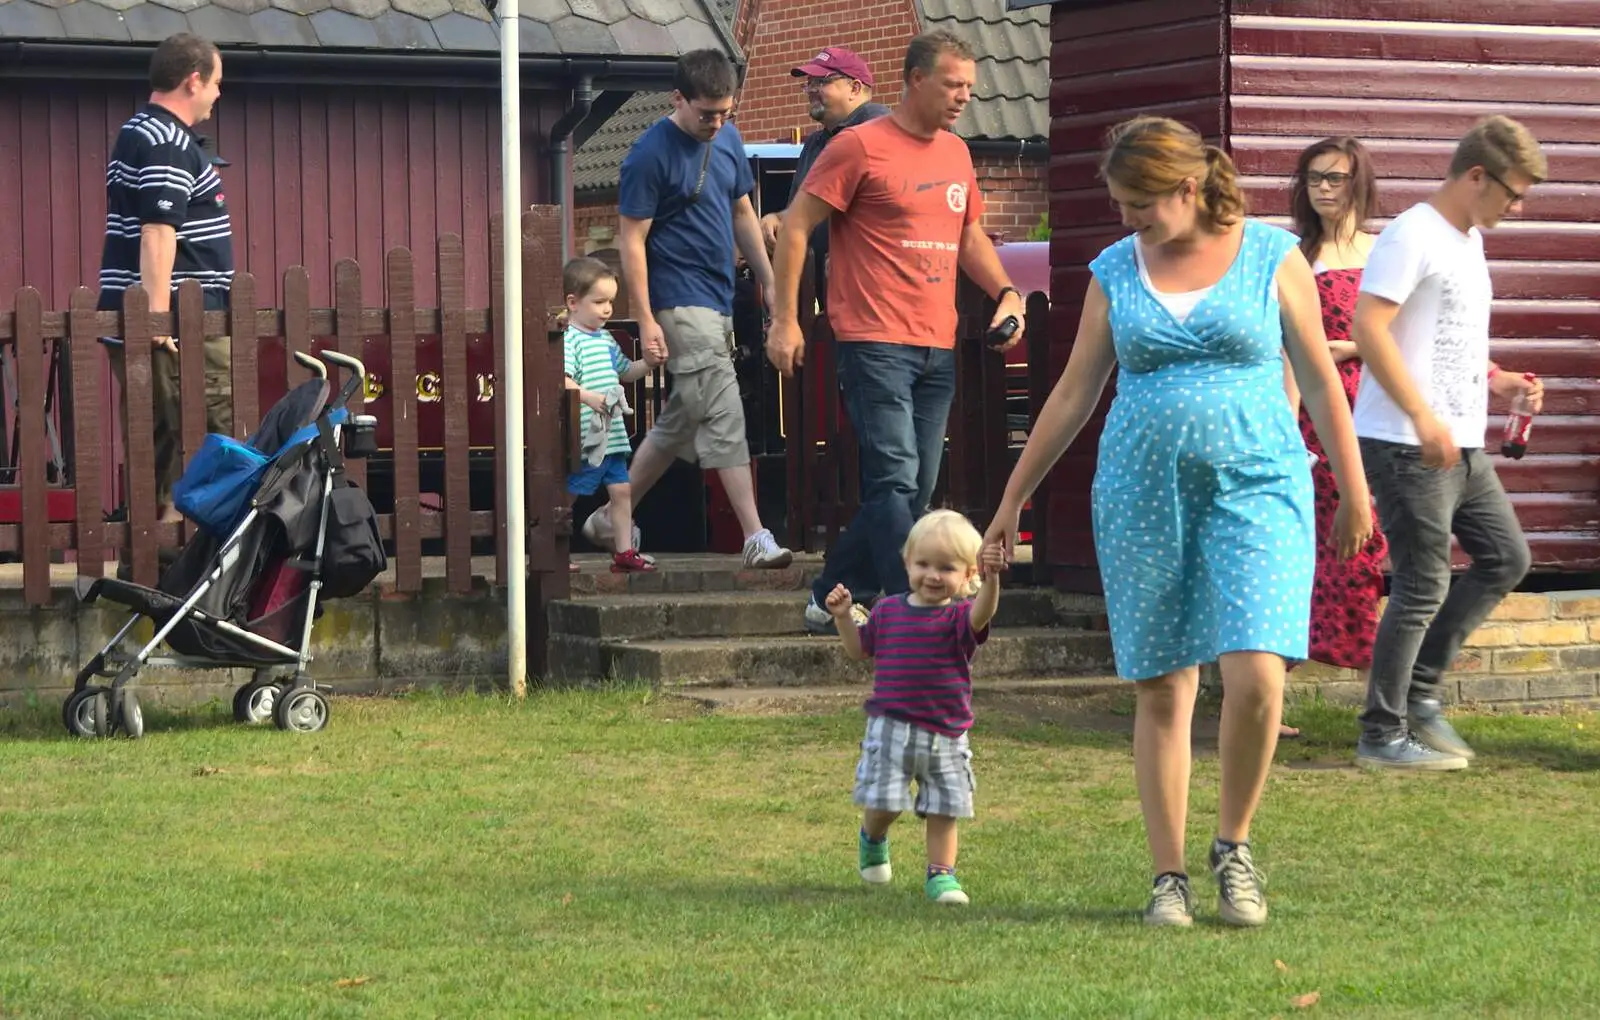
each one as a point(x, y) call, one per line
point(1180, 305)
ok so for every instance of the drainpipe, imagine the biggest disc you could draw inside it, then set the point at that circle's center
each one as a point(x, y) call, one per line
point(560, 156)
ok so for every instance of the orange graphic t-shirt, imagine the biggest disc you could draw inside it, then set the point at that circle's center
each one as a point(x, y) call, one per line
point(901, 203)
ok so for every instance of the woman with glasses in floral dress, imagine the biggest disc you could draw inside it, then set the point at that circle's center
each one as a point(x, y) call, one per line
point(1332, 197)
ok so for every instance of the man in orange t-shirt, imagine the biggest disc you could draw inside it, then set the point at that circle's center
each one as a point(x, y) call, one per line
point(903, 206)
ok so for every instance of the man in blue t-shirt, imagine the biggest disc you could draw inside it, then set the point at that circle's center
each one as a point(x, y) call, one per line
point(684, 202)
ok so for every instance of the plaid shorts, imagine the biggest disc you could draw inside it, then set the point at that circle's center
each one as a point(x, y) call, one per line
point(895, 752)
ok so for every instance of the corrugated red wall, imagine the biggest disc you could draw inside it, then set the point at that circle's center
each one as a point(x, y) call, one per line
point(1410, 86)
point(1409, 77)
point(1108, 64)
point(319, 174)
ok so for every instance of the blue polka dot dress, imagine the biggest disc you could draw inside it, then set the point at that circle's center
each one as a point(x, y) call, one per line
point(1203, 506)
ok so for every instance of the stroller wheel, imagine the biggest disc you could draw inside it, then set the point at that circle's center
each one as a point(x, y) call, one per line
point(129, 715)
point(100, 713)
point(78, 713)
point(302, 710)
point(253, 703)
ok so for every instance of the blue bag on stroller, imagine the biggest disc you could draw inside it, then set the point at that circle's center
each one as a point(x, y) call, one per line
point(216, 487)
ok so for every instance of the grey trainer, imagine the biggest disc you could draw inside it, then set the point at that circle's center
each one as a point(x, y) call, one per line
point(1171, 902)
point(1426, 721)
point(1407, 754)
point(1240, 899)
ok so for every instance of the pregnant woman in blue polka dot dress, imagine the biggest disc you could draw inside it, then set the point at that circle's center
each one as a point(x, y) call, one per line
point(1203, 511)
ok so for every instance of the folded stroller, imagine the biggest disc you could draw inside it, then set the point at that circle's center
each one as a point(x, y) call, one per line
point(280, 527)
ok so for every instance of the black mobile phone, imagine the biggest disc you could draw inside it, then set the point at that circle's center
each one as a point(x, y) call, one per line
point(1007, 329)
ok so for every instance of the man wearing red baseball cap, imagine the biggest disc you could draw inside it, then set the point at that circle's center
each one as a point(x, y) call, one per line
point(838, 88)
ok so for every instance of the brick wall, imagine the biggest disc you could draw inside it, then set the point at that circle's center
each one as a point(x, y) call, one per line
point(1015, 194)
point(779, 35)
point(593, 214)
point(1536, 647)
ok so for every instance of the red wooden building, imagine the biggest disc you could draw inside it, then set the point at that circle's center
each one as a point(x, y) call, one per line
point(351, 128)
point(1265, 78)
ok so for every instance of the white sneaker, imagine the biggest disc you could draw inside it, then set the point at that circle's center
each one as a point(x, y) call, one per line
point(762, 552)
point(597, 531)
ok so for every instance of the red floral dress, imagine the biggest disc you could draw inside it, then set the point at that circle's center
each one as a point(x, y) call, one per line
point(1344, 593)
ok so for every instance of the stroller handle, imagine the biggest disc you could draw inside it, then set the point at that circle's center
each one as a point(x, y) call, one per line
point(311, 363)
point(347, 363)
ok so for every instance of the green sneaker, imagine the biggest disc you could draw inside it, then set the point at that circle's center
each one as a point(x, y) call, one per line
point(873, 860)
point(943, 888)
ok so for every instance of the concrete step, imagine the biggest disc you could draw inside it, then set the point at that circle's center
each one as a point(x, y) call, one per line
point(818, 700)
point(690, 572)
point(759, 613)
point(819, 661)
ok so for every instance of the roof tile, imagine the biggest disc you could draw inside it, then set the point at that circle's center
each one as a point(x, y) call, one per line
point(636, 35)
point(29, 19)
point(344, 30)
point(656, 28)
point(692, 34)
point(150, 23)
point(458, 32)
point(605, 11)
point(361, 8)
point(399, 31)
point(87, 20)
point(25, 19)
point(281, 28)
point(221, 25)
point(422, 8)
point(536, 38)
point(580, 35)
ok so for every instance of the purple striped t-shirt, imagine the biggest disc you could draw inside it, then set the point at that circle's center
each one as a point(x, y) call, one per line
point(922, 663)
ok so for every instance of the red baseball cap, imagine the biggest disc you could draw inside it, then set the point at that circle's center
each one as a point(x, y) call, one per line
point(836, 60)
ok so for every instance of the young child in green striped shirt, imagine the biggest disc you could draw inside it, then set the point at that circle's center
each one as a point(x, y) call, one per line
point(595, 364)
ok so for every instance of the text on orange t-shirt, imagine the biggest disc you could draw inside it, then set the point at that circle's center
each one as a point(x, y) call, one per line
point(901, 203)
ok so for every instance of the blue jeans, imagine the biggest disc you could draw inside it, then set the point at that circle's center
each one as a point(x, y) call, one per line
point(898, 399)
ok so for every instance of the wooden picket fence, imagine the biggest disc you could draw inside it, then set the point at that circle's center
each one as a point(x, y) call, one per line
point(57, 507)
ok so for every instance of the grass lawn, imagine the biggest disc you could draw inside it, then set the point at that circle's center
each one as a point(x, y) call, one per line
point(616, 854)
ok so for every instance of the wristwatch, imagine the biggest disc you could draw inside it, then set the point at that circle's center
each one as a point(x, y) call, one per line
point(1004, 291)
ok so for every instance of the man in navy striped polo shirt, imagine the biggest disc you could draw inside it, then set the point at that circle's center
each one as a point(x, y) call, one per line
point(166, 222)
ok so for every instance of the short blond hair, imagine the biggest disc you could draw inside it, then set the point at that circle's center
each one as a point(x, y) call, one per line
point(1499, 144)
point(949, 530)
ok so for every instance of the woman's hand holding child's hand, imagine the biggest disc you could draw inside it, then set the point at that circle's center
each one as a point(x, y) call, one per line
point(992, 560)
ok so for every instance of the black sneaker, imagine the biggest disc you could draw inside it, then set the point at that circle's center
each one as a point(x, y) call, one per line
point(1240, 900)
point(1171, 901)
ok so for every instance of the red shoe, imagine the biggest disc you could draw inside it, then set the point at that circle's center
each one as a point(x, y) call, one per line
point(631, 562)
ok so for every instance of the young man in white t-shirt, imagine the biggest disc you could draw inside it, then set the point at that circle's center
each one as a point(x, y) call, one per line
point(1422, 329)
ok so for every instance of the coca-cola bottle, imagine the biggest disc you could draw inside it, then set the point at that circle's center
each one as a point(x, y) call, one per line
point(1519, 424)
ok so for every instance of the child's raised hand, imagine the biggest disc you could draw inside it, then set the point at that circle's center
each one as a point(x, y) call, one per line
point(992, 559)
point(838, 602)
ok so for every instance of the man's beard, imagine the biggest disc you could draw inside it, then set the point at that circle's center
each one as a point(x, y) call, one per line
point(818, 112)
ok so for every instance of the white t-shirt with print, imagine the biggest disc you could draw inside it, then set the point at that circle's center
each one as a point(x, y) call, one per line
point(1440, 279)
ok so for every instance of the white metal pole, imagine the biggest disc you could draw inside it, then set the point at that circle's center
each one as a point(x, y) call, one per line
point(511, 210)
